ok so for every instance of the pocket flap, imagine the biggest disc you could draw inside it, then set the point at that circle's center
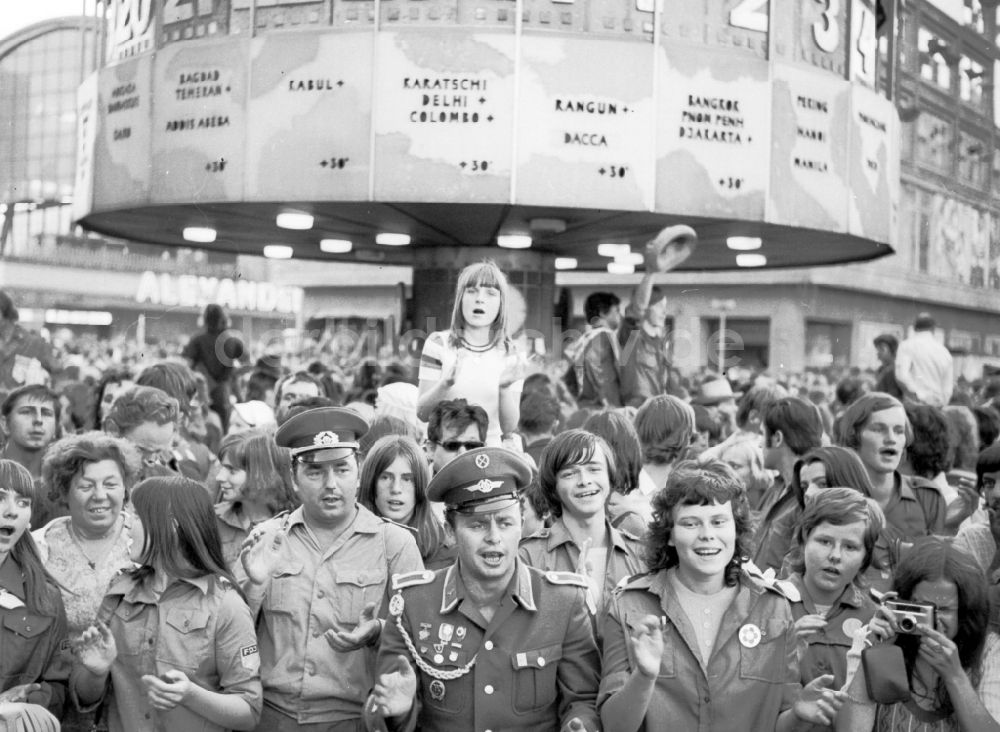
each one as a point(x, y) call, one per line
point(288, 569)
point(360, 577)
point(538, 658)
point(27, 625)
point(187, 621)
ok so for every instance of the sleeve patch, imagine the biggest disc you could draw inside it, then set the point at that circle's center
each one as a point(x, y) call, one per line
point(250, 658)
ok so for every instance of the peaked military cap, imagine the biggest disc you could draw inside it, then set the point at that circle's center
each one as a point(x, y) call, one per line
point(481, 480)
point(322, 435)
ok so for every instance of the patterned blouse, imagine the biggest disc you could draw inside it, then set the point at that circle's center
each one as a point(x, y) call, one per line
point(83, 586)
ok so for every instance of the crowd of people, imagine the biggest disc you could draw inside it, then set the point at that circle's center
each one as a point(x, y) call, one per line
point(211, 541)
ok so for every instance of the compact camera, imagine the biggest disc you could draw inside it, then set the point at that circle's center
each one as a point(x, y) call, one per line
point(908, 614)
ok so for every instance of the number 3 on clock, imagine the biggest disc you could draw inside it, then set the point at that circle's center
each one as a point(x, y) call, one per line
point(826, 32)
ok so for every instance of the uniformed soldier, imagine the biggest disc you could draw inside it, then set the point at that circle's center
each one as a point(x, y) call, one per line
point(497, 645)
point(320, 576)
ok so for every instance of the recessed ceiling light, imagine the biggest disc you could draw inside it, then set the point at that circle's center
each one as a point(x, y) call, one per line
point(566, 263)
point(199, 234)
point(335, 246)
point(296, 220)
point(278, 251)
point(613, 250)
point(389, 239)
point(750, 260)
point(514, 241)
point(743, 243)
point(633, 258)
point(621, 268)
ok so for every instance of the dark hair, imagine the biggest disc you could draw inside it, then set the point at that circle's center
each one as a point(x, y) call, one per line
point(457, 414)
point(139, 405)
point(538, 383)
point(665, 425)
point(66, 459)
point(848, 390)
point(703, 422)
point(757, 399)
point(698, 483)
point(429, 531)
point(40, 589)
point(799, 421)
point(302, 405)
point(7, 309)
point(924, 321)
point(987, 462)
point(933, 558)
point(38, 392)
point(619, 432)
point(532, 495)
point(839, 506)
point(367, 378)
point(182, 534)
point(930, 451)
point(268, 467)
point(963, 437)
point(258, 384)
point(384, 425)
point(853, 419)
point(572, 447)
point(214, 318)
point(843, 468)
point(111, 376)
point(598, 304)
point(295, 378)
point(889, 340)
point(988, 420)
point(175, 379)
point(395, 372)
point(539, 413)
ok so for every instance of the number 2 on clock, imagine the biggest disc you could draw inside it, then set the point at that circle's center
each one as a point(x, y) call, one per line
point(750, 14)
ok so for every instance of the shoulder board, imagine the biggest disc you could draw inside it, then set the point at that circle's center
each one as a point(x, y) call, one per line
point(224, 584)
point(628, 535)
point(411, 579)
point(643, 579)
point(566, 578)
point(397, 524)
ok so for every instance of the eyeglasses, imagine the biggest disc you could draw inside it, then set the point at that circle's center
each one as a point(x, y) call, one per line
point(456, 445)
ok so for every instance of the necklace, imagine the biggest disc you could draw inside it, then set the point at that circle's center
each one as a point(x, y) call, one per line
point(79, 544)
point(475, 349)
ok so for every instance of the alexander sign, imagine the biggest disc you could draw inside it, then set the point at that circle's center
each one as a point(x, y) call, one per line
point(197, 292)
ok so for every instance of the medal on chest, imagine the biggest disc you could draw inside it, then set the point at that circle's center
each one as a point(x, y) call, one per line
point(437, 689)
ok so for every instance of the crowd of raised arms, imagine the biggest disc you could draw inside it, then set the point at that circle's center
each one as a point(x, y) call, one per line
point(207, 538)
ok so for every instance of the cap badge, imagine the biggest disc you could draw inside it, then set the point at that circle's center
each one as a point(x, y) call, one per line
point(482, 461)
point(326, 438)
point(486, 485)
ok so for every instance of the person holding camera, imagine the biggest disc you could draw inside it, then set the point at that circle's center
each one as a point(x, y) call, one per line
point(939, 611)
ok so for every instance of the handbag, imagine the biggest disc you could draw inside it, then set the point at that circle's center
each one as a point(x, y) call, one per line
point(885, 673)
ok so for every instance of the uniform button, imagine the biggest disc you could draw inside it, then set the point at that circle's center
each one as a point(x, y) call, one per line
point(708, 611)
point(319, 593)
point(488, 645)
point(315, 634)
point(707, 699)
point(151, 642)
point(27, 628)
point(541, 662)
point(488, 689)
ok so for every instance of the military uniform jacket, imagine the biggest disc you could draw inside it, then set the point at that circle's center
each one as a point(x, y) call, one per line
point(553, 549)
point(535, 666)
